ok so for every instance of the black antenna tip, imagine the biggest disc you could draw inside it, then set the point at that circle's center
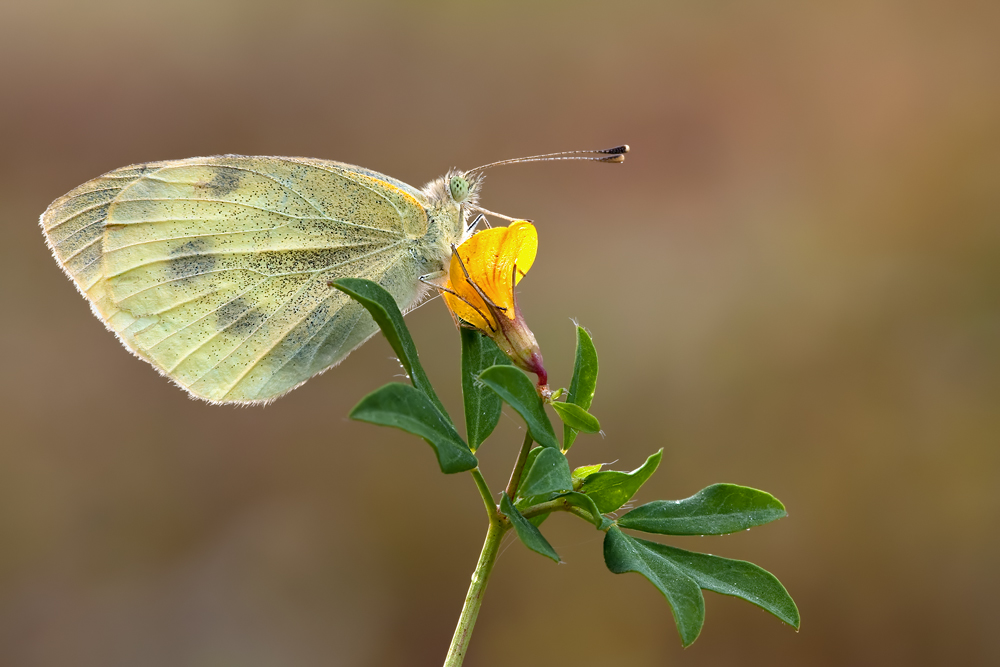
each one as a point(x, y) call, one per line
point(617, 150)
point(613, 159)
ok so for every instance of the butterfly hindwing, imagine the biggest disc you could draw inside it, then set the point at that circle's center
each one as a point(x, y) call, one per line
point(216, 270)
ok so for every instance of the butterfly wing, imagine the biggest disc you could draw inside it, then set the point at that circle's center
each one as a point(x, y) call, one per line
point(216, 270)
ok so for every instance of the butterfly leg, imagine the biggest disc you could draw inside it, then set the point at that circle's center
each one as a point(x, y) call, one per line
point(431, 278)
point(443, 289)
point(475, 223)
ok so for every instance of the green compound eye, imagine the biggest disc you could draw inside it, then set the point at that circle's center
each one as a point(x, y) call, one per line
point(459, 188)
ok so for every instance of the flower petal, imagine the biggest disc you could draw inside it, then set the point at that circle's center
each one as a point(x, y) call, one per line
point(490, 257)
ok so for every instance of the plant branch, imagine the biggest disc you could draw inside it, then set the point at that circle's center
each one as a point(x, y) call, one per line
point(582, 513)
point(484, 491)
point(557, 505)
point(515, 474)
point(474, 598)
point(487, 558)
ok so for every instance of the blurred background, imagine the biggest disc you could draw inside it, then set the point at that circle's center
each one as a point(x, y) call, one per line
point(793, 283)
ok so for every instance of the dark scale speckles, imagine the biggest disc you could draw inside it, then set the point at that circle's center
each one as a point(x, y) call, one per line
point(90, 226)
point(238, 317)
point(306, 335)
point(306, 340)
point(317, 319)
point(86, 199)
point(295, 261)
point(223, 182)
point(190, 259)
point(230, 312)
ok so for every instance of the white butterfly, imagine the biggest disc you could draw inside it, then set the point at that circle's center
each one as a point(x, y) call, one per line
point(216, 270)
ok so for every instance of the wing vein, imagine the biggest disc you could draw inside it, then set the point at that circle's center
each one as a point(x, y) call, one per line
point(77, 214)
point(366, 187)
point(208, 314)
point(267, 319)
point(243, 268)
point(319, 329)
point(81, 249)
point(243, 231)
point(216, 201)
point(262, 175)
point(189, 324)
point(260, 357)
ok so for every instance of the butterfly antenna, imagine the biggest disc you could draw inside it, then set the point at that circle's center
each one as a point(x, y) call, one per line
point(614, 155)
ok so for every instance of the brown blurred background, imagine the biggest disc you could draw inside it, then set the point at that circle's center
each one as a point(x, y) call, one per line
point(794, 284)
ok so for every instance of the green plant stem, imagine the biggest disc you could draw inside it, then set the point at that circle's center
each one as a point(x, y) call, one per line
point(488, 556)
point(582, 513)
point(557, 505)
point(474, 598)
point(484, 491)
point(515, 474)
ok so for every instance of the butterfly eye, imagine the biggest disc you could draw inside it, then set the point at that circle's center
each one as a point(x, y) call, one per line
point(459, 188)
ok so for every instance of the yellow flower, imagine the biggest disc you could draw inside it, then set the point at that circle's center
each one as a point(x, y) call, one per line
point(480, 290)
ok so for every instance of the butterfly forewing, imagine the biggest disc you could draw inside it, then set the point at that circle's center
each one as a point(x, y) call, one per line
point(216, 270)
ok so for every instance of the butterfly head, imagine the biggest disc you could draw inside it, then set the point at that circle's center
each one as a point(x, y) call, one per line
point(455, 189)
point(452, 200)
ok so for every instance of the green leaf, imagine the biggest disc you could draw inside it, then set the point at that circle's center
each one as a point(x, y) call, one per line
point(581, 389)
point(530, 459)
point(715, 510)
point(549, 473)
point(403, 407)
point(383, 309)
point(527, 531)
point(623, 553)
point(576, 417)
point(514, 387)
point(522, 502)
point(584, 472)
point(737, 578)
point(612, 489)
point(482, 405)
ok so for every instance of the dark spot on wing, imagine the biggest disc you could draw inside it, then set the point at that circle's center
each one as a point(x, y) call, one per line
point(224, 181)
point(317, 319)
point(230, 312)
point(190, 259)
point(239, 317)
point(311, 325)
point(312, 334)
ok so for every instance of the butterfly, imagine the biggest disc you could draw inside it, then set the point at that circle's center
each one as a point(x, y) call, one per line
point(217, 270)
